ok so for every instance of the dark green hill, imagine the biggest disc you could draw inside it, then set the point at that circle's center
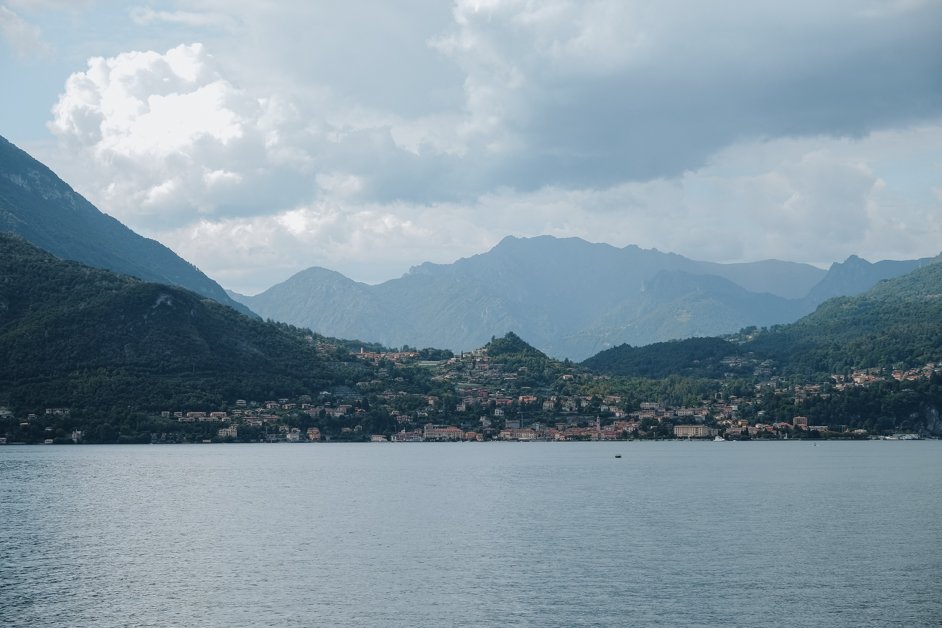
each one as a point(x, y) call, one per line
point(896, 323)
point(512, 345)
point(43, 209)
point(693, 357)
point(91, 340)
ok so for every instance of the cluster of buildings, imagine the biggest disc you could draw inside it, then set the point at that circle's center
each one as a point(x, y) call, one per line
point(490, 401)
point(730, 427)
point(866, 377)
point(476, 397)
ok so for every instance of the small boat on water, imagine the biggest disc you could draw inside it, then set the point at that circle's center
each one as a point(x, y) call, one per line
point(718, 439)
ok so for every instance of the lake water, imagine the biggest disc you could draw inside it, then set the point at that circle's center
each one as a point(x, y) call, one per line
point(473, 534)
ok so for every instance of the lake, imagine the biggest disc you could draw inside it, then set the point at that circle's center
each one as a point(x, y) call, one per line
point(473, 534)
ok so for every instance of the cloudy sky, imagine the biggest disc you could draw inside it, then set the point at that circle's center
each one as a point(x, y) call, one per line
point(370, 136)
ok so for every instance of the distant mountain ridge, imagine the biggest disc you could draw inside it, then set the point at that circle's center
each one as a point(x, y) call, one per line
point(569, 297)
point(41, 208)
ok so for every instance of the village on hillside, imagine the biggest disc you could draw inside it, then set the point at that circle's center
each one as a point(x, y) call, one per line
point(478, 397)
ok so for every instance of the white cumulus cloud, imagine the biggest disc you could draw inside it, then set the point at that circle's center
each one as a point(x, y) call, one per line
point(166, 133)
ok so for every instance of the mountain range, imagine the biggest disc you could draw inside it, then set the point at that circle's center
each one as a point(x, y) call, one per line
point(38, 206)
point(567, 296)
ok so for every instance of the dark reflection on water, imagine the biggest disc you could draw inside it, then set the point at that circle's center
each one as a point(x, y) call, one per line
point(538, 534)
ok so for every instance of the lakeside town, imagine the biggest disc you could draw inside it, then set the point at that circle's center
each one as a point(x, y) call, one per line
point(480, 397)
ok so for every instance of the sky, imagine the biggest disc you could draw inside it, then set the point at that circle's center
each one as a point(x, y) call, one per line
point(258, 139)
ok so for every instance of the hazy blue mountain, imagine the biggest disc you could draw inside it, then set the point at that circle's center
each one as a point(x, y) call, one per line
point(340, 303)
point(569, 297)
point(783, 279)
point(676, 304)
point(38, 206)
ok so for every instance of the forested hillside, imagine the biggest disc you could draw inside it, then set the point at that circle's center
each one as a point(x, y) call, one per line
point(89, 339)
point(897, 323)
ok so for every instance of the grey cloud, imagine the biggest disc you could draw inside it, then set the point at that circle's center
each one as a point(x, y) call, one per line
point(568, 94)
point(844, 77)
point(372, 53)
point(546, 104)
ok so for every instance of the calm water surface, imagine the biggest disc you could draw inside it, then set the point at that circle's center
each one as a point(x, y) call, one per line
point(476, 534)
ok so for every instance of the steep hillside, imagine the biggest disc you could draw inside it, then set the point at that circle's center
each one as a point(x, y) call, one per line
point(92, 340)
point(43, 209)
point(896, 323)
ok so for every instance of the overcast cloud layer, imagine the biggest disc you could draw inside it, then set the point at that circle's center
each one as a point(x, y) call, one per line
point(371, 136)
